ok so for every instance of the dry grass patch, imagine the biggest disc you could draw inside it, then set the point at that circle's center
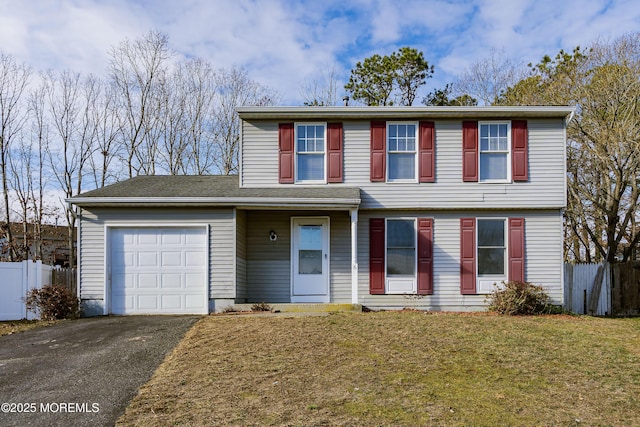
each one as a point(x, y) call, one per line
point(397, 368)
point(14, 326)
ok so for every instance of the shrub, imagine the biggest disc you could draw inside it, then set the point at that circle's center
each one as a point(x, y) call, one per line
point(519, 298)
point(261, 306)
point(53, 302)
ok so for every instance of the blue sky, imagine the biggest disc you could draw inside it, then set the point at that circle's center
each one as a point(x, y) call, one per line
point(282, 43)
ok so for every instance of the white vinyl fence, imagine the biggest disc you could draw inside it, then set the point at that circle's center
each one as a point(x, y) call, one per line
point(16, 278)
point(580, 284)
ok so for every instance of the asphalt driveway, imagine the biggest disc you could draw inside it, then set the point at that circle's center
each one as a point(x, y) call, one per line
point(82, 372)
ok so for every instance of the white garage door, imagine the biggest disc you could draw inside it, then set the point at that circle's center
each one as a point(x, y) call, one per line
point(159, 270)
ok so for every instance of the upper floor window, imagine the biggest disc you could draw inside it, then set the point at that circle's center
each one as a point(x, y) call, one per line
point(401, 151)
point(494, 151)
point(310, 152)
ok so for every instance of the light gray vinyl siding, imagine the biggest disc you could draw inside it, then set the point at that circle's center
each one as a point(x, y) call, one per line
point(241, 255)
point(259, 154)
point(340, 251)
point(543, 264)
point(545, 188)
point(268, 271)
point(93, 243)
point(269, 265)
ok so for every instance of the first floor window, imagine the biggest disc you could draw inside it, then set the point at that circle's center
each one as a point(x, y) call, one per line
point(491, 247)
point(310, 152)
point(401, 147)
point(401, 256)
point(494, 151)
point(401, 247)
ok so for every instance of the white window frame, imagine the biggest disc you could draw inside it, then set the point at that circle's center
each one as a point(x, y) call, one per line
point(297, 153)
point(415, 153)
point(485, 282)
point(401, 284)
point(507, 152)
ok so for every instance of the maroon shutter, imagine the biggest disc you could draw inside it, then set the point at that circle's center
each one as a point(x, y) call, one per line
point(425, 256)
point(516, 249)
point(378, 151)
point(427, 162)
point(285, 160)
point(334, 152)
point(467, 256)
point(519, 150)
point(470, 151)
point(376, 256)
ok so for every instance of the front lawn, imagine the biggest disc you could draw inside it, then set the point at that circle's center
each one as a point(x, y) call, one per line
point(397, 368)
point(13, 326)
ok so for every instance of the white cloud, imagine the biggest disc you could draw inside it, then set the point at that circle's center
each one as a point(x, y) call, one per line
point(283, 42)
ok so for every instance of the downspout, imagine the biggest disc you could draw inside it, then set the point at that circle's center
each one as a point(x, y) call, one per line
point(353, 213)
point(78, 214)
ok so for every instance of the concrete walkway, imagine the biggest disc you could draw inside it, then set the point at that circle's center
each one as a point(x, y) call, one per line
point(82, 372)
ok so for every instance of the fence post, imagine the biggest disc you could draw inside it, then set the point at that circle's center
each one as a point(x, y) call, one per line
point(568, 276)
point(25, 286)
point(596, 289)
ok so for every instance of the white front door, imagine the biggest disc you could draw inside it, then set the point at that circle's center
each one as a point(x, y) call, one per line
point(310, 259)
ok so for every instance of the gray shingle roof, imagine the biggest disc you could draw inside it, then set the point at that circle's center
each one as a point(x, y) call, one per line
point(210, 189)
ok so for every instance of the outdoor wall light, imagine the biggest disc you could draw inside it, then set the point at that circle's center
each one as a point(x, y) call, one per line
point(273, 236)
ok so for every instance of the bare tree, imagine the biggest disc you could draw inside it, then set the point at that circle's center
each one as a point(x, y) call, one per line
point(487, 78)
point(173, 98)
point(107, 131)
point(235, 89)
point(39, 134)
point(136, 67)
point(23, 164)
point(323, 90)
point(14, 78)
point(200, 88)
point(70, 104)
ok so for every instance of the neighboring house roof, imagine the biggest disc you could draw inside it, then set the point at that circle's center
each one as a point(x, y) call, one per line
point(214, 190)
point(471, 113)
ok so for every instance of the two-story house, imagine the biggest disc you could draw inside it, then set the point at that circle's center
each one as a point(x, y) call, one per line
point(388, 207)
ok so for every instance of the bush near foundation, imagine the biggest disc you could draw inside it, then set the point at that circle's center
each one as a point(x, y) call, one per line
point(519, 298)
point(53, 302)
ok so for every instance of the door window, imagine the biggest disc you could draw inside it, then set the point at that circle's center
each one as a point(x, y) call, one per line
point(310, 250)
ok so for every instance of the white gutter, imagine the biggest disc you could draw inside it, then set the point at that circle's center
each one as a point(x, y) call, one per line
point(217, 201)
point(359, 112)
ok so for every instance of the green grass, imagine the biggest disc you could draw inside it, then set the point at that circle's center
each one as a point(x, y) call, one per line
point(398, 368)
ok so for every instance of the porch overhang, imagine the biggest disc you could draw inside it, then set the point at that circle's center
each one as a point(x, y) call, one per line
point(216, 191)
point(239, 202)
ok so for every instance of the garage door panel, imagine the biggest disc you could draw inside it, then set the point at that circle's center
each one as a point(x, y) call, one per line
point(148, 302)
point(194, 280)
point(147, 280)
point(147, 259)
point(194, 303)
point(171, 281)
point(171, 258)
point(196, 239)
point(171, 238)
point(127, 279)
point(148, 237)
point(159, 270)
point(171, 302)
point(194, 259)
point(121, 259)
